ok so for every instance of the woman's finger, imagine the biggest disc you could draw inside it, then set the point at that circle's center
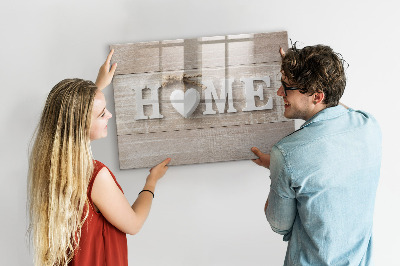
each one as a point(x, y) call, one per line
point(108, 60)
point(113, 68)
point(166, 161)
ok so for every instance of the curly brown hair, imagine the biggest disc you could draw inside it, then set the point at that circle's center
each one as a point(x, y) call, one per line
point(316, 69)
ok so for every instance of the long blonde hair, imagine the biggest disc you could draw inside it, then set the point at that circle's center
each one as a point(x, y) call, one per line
point(60, 168)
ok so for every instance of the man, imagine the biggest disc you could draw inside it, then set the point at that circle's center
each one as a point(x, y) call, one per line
point(323, 176)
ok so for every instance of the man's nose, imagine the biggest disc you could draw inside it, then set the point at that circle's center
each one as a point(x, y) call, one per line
point(280, 91)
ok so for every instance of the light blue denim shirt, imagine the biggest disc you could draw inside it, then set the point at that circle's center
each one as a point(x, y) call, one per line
point(323, 183)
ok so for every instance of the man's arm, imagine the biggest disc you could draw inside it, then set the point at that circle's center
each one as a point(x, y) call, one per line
point(280, 213)
point(280, 208)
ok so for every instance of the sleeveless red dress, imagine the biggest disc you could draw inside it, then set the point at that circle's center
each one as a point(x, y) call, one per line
point(101, 243)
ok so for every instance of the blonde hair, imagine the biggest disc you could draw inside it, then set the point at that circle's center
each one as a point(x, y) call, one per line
point(60, 167)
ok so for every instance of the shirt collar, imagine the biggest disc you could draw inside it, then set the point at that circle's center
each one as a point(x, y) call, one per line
point(326, 114)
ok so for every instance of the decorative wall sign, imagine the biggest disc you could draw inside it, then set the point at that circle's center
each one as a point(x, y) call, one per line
point(198, 100)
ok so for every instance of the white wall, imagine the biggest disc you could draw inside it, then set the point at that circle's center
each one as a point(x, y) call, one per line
point(208, 214)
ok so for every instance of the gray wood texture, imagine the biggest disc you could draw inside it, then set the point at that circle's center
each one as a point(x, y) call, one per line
point(220, 137)
point(208, 52)
point(200, 146)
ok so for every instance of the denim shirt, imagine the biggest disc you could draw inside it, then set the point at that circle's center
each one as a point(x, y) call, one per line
point(324, 178)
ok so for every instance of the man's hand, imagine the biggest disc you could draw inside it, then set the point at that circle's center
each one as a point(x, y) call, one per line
point(281, 52)
point(105, 73)
point(263, 158)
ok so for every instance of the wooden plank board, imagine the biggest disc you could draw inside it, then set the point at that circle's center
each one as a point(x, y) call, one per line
point(199, 146)
point(151, 122)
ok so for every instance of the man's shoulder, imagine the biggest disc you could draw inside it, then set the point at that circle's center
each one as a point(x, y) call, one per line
point(292, 142)
point(361, 122)
point(351, 122)
point(367, 117)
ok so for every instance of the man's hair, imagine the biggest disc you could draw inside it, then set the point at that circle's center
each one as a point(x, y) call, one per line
point(316, 69)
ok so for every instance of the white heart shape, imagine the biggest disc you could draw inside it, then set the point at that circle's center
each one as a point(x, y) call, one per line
point(185, 103)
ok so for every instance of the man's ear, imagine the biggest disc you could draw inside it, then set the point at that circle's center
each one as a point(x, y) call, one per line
point(318, 97)
point(281, 52)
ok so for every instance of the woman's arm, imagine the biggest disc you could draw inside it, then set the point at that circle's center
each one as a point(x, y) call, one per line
point(114, 206)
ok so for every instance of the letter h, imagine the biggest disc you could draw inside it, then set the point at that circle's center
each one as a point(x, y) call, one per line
point(140, 102)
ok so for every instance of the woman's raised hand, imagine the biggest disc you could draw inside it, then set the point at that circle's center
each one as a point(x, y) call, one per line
point(105, 73)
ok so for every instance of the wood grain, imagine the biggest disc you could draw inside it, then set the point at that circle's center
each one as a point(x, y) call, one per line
point(199, 138)
point(199, 146)
point(158, 56)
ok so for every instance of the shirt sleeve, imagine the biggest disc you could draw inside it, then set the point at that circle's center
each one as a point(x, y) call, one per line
point(281, 210)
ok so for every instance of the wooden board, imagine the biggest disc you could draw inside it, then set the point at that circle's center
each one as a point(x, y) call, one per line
point(150, 126)
point(200, 146)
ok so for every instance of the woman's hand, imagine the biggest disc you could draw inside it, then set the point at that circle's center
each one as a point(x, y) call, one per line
point(158, 171)
point(105, 73)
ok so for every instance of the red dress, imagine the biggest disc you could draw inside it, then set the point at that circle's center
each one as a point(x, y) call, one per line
point(101, 243)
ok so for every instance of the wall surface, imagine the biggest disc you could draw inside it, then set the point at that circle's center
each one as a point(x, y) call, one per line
point(207, 214)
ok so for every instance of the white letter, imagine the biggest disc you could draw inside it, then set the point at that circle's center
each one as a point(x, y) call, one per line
point(220, 101)
point(140, 102)
point(250, 94)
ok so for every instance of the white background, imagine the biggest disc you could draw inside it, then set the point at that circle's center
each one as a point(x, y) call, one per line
point(208, 214)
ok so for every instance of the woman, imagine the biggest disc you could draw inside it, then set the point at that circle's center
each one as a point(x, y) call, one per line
point(78, 212)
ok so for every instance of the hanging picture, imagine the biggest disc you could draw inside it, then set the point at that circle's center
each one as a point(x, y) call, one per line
point(201, 100)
